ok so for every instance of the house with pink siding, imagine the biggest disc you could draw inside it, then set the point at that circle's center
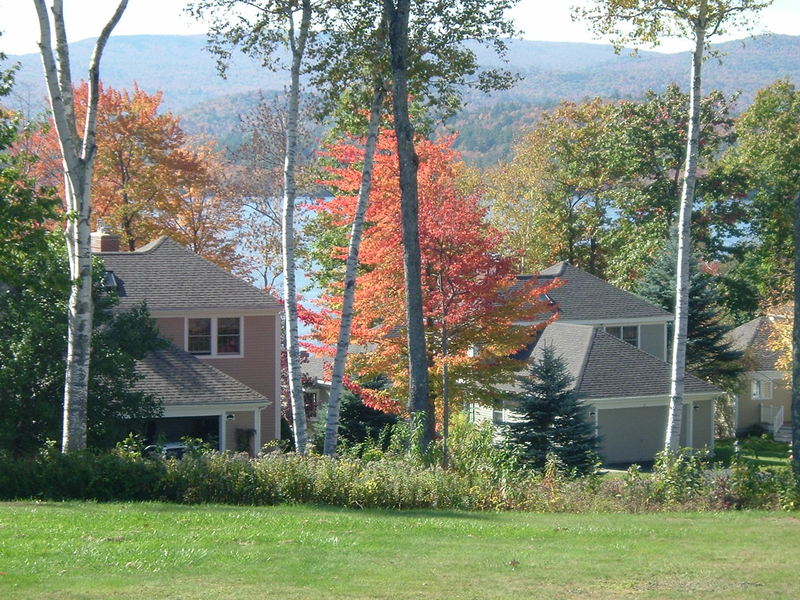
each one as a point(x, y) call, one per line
point(220, 378)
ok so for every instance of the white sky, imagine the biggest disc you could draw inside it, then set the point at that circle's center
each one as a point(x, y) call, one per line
point(546, 20)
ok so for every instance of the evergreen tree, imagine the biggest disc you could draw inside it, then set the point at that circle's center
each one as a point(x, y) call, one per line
point(709, 354)
point(552, 419)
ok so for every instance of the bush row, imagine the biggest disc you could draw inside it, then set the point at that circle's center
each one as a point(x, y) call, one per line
point(678, 482)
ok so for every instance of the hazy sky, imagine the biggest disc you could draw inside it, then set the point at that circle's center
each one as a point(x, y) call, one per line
point(539, 19)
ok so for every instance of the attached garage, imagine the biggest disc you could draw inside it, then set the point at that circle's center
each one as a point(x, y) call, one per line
point(630, 435)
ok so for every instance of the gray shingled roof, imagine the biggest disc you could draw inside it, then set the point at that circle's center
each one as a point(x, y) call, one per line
point(169, 276)
point(604, 366)
point(751, 338)
point(180, 378)
point(314, 367)
point(585, 297)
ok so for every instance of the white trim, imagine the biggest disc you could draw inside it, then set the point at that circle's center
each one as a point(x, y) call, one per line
point(213, 311)
point(621, 321)
point(713, 421)
point(604, 322)
point(642, 401)
point(766, 375)
point(214, 320)
point(277, 361)
point(257, 427)
point(209, 410)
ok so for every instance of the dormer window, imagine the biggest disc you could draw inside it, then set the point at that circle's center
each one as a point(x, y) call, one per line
point(109, 281)
point(627, 333)
point(214, 336)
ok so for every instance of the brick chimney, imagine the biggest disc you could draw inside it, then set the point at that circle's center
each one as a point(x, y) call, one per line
point(103, 240)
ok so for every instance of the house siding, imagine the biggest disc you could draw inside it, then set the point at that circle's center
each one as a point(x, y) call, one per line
point(243, 423)
point(749, 410)
point(258, 367)
point(703, 424)
point(652, 339)
point(172, 329)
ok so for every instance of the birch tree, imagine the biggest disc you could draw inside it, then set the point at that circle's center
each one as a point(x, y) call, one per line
point(258, 29)
point(353, 76)
point(646, 22)
point(78, 153)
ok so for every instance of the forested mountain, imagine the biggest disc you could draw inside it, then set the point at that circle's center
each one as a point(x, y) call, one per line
point(551, 72)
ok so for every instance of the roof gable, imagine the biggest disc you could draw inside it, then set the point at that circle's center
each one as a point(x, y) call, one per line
point(604, 366)
point(586, 297)
point(171, 277)
point(752, 338)
point(615, 369)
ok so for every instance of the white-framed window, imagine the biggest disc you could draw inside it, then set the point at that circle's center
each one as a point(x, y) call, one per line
point(627, 333)
point(310, 402)
point(762, 390)
point(214, 336)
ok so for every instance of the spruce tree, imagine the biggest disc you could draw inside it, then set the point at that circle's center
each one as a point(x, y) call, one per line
point(709, 354)
point(551, 418)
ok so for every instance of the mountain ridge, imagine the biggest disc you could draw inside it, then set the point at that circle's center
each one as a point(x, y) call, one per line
point(551, 72)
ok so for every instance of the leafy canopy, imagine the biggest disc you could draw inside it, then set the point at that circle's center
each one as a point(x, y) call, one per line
point(468, 286)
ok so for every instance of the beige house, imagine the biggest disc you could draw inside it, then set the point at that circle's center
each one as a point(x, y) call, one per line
point(220, 379)
point(764, 397)
point(614, 345)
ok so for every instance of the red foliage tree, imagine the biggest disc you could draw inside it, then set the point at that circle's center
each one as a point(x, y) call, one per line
point(471, 297)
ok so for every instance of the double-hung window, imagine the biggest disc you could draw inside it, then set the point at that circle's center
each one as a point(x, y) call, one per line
point(762, 390)
point(214, 336)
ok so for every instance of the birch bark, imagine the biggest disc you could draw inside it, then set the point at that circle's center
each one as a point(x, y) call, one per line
point(796, 345)
point(297, 42)
point(348, 299)
point(78, 152)
point(678, 367)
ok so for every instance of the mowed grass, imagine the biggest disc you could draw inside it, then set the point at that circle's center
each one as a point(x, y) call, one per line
point(762, 451)
point(153, 551)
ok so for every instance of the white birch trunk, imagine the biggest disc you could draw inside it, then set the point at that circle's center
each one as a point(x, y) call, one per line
point(78, 156)
point(348, 297)
point(298, 44)
point(796, 345)
point(678, 371)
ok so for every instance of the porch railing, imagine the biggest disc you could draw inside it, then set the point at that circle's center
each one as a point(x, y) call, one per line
point(772, 416)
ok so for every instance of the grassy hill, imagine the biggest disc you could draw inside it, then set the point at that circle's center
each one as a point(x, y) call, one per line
point(551, 72)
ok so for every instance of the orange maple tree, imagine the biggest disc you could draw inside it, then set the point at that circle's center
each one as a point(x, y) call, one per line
point(471, 296)
point(148, 180)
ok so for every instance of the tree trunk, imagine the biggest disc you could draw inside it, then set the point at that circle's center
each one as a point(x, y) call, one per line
point(796, 345)
point(348, 298)
point(678, 371)
point(297, 43)
point(419, 404)
point(445, 395)
point(78, 158)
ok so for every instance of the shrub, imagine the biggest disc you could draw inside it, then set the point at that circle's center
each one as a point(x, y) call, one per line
point(683, 480)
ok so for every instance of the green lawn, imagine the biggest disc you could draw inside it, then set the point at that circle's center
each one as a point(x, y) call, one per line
point(763, 451)
point(152, 551)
